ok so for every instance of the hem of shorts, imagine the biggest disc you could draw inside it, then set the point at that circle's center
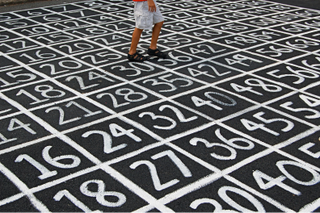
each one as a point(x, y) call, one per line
point(144, 28)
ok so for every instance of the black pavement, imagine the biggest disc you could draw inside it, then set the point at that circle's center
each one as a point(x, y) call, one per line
point(228, 122)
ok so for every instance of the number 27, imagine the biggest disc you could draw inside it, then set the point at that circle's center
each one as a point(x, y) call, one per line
point(153, 171)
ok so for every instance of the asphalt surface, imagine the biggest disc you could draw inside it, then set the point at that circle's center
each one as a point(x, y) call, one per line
point(229, 121)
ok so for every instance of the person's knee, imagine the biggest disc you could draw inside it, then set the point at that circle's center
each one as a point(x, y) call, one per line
point(138, 30)
point(160, 24)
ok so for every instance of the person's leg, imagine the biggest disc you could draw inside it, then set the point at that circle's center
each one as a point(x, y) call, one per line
point(132, 54)
point(140, 11)
point(135, 40)
point(153, 50)
point(155, 35)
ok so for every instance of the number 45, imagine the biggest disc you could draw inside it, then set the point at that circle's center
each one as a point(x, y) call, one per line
point(252, 126)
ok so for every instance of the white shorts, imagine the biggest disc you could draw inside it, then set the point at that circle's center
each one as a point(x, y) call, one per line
point(144, 18)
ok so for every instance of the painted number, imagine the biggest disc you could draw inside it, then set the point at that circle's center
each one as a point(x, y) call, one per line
point(116, 199)
point(252, 82)
point(252, 126)
point(260, 177)
point(46, 91)
point(310, 101)
point(224, 193)
point(230, 145)
point(154, 173)
point(128, 94)
point(62, 120)
point(169, 83)
point(300, 75)
point(46, 173)
point(214, 97)
point(116, 131)
point(171, 121)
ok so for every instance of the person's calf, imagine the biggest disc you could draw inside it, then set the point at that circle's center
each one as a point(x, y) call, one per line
point(135, 40)
point(155, 35)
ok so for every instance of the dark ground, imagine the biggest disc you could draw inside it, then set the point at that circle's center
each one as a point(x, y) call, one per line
point(228, 122)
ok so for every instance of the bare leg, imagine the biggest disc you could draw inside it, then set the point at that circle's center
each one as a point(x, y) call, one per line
point(155, 35)
point(135, 40)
